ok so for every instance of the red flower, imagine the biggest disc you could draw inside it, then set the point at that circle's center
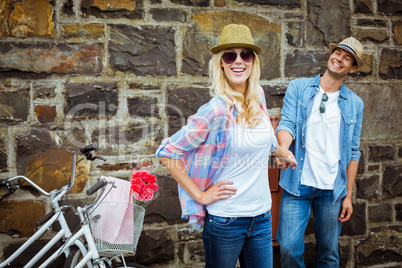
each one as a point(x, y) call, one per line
point(143, 185)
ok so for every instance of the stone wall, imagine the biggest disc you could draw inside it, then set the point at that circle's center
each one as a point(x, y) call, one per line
point(127, 73)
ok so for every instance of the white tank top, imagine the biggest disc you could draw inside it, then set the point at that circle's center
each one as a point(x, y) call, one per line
point(247, 168)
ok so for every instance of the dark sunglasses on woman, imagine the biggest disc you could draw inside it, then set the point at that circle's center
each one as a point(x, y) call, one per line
point(231, 56)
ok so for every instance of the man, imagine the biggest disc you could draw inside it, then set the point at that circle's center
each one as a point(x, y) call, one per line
point(321, 124)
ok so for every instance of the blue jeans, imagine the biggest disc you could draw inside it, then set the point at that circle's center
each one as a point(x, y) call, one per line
point(227, 239)
point(293, 219)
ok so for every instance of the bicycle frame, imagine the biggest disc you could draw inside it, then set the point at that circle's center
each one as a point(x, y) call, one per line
point(88, 256)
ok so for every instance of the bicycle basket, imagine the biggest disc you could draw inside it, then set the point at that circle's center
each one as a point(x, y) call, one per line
point(116, 227)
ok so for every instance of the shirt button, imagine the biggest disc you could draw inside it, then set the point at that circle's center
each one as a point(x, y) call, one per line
point(301, 159)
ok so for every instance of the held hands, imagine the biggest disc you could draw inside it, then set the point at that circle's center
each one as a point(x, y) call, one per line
point(286, 160)
point(221, 190)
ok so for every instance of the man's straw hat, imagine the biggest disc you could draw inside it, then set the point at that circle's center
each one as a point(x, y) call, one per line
point(351, 45)
point(236, 35)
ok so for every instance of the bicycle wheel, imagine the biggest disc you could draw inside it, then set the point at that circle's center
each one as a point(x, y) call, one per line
point(74, 258)
point(128, 265)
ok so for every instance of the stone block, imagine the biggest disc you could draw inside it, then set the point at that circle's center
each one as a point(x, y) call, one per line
point(380, 213)
point(50, 58)
point(29, 18)
point(344, 255)
point(93, 100)
point(127, 9)
point(45, 113)
point(116, 167)
point(195, 3)
point(44, 91)
point(310, 254)
point(142, 87)
point(302, 63)
point(73, 137)
point(357, 223)
point(184, 101)
point(370, 22)
point(288, 3)
point(294, 34)
point(219, 3)
point(163, 209)
point(390, 7)
point(362, 164)
point(90, 30)
point(274, 96)
point(143, 106)
point(206, 29)
point(397, 29)
point(398, 209)
point(380, 248)
point(3, 152)
point(13, 104)
point(156, 247)
point(133, 138)
point(187, 234)
point(368, 188)
point(327, 21)
point(377, 36)
point(375, 117)
point(20, 217)
point(391, 64)
point(392, 182)
point(381, 153)
point(367, 67)
point(191, 252)
point(41, 148)
point(143, 51)
point(373, 168)
point(163, 14)
point(400, 152)
point(364, 6)
point(68, 8)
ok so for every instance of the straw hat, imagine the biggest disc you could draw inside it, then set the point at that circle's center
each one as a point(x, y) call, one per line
point(351, 45)
point(236, 35)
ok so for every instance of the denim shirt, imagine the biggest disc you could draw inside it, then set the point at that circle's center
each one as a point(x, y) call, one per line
point(298, 102)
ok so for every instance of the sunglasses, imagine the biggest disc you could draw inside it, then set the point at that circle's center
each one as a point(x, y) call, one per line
point(231, 56)
point(322, 105)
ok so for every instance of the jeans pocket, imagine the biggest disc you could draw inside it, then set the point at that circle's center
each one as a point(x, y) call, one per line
point(267, 215)
point(222, 221)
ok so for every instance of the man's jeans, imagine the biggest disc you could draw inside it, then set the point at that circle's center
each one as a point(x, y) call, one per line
point(248, 239)
point(293, 219)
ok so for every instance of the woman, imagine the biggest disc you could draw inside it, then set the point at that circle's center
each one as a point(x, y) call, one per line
point(220, 158)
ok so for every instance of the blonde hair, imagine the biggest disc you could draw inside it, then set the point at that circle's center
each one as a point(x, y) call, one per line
point(220, 86)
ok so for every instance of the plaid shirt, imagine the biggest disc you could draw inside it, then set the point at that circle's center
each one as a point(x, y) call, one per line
point(202, 145)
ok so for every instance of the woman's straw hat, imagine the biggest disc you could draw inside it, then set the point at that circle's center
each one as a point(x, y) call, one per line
point(236, 35)
point(351, 45)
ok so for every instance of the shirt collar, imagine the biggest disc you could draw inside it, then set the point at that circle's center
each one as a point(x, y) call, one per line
point(316, 84)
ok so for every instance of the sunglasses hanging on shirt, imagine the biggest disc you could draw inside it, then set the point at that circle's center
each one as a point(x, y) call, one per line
point(322, 105)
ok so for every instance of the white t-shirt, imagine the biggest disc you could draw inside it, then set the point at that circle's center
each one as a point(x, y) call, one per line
point(247, 168)
point(322, 143)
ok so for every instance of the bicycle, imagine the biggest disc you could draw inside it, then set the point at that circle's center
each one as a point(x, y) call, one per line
point(79, 246)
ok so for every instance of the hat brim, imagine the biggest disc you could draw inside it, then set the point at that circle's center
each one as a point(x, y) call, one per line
point(359, 61)
point(254, 48)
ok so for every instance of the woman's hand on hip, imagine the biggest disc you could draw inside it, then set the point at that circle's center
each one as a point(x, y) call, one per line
point(221, 190)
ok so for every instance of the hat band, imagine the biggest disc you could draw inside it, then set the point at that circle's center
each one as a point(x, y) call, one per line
point(348, 48)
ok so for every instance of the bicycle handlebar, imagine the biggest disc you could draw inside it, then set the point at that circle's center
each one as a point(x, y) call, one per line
point(96, 187)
